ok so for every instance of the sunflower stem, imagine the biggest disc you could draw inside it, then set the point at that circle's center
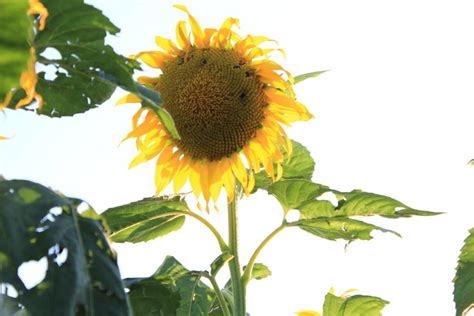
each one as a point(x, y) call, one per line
point(234, 265)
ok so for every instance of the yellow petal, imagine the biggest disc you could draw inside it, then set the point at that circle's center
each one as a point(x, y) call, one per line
point(195, 27)
point(307, 313)
point(166, 44)
point(182, 36)
point(129, 98)
point(37, 7)
point(194, 178)
point(182, 174)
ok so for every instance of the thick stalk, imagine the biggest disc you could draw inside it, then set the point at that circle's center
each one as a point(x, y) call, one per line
point(234, 265)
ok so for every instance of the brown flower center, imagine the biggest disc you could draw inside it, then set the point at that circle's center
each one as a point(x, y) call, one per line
point(215, 99)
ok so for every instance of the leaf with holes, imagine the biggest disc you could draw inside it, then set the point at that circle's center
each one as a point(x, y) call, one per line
point(146, 219)
point(14, 47)
point(333, 228)
point(171, 290)
point(464, 279)
point(41, 225)
point(75, 31)
point(356, 305)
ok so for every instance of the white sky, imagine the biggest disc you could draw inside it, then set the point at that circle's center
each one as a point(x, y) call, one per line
point(393, 116)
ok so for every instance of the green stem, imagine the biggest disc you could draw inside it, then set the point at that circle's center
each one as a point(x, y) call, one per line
point(220, 297)
point(248, 269)
point(234, 265)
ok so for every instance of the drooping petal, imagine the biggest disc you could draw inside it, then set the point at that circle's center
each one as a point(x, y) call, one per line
point(195, 27)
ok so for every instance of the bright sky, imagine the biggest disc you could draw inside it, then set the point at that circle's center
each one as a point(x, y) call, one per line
point(393, 116)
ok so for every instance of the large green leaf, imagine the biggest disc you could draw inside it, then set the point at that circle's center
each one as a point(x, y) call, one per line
point(171, 290)
point(320, 217)
point(358, 203)
point(14, 47)
point(300, 165)
point(146, 219)
point(339, 228)
point(464, 279)
point(356, 305)
point(82, 274)
point(76, 31)
point(294, 192)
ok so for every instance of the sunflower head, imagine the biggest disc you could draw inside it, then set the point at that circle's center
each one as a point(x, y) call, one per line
point(229, 101)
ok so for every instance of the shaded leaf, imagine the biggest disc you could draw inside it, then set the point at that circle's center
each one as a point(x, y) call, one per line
point(308, 75)
point(76, 31)
point(82, 273)
point(464, 279)
point(172, 290)
point(146, 219)
point(219, 262)
point(14, 47)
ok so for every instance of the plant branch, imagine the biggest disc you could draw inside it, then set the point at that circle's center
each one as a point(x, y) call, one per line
point(217, 290)
point(248, 269)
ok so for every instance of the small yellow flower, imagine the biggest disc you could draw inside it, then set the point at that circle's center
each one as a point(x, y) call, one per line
point(229, 102)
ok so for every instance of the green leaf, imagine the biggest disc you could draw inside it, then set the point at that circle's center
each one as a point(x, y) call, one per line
point(464, 279)
point(358, 203)
point(77, 31)
point(322, 218)
point(82, 273)
point(308, 75)
point(356, 305)
point(366, 204)
point(333, 228)
point(172, 290)
point(299, 166)
point(292, 193)
point(260, 271)
point(219, 262)
point(146, 219)
point(194, 296)
point(14, 47)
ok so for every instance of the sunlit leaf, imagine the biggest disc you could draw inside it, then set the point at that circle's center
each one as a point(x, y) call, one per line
point(300, 165)
point(308, 75)
point(41, 225)
point(260, 271)
point(146, 219)
point(294, 192)
point(356, 305)
point(171, 290)
point(333, 228)
point(464, 279)
point(14, 47)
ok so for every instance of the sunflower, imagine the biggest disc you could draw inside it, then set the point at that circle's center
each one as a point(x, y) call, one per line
point(228, 101)
point(29, 77)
